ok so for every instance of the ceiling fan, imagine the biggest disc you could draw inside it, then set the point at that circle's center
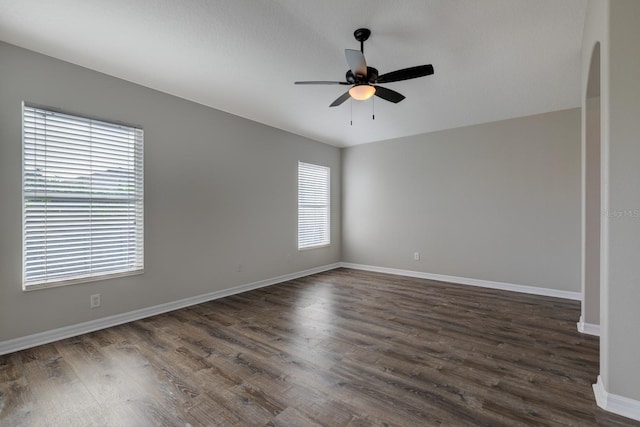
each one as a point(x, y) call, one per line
point(364, 80)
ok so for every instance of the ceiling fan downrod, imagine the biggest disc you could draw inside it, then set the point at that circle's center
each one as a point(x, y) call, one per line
point(362, 35)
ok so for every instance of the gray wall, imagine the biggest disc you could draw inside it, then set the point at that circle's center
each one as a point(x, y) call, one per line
point(498, 202)
point(220, 191)
point(622, 235)
point(615, 25)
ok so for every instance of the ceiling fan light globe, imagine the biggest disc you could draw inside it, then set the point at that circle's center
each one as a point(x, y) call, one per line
point(362, 92)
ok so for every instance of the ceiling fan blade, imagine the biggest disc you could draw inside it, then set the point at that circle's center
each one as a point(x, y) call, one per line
point(341, 99)
point(356, 62)
point(321, 82)
point(388, 94)
point(406, 74)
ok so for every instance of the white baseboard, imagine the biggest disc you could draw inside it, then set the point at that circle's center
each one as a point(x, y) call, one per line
point(46, 337)
point(588, 328)
point(620, 405)
point(466, 281)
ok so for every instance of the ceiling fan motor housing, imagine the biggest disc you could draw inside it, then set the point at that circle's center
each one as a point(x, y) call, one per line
point(372, 76)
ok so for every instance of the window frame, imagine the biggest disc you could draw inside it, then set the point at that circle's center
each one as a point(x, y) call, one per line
point(137, 202)
point(326, 242)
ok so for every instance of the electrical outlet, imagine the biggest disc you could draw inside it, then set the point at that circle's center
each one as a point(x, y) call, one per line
point(416, 256)
point(94, 302)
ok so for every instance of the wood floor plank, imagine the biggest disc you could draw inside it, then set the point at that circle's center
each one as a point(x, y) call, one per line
point(57, 394)
point(339, 348)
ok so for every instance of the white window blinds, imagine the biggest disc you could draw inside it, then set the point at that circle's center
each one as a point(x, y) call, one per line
point(82, 198)
point(313, 205)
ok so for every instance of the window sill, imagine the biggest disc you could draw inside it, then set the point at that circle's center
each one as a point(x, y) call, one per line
point(79, 280)
point(314, 247)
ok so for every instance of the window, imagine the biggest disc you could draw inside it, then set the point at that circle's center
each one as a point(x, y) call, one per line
point(313, 206)
point(82, 202)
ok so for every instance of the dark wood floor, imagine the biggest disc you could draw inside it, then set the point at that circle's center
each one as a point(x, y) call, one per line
point(341, 348)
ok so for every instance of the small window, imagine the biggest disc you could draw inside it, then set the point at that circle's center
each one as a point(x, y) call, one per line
point(313, 206)
point(82, 201)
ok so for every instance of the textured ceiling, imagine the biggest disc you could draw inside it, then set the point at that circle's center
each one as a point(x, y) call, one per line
point(493, 59)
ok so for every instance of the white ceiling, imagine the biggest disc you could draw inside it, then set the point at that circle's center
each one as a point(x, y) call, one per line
point(493, 59)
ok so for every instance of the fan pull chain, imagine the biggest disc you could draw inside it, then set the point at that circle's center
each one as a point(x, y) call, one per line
point(373, 108)
point(351, 107)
